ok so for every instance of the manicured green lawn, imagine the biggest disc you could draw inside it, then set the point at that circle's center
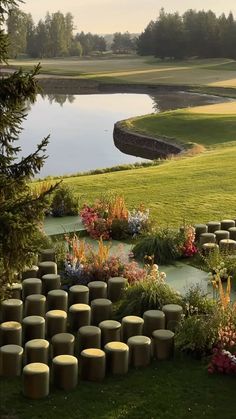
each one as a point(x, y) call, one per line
point(169, 390)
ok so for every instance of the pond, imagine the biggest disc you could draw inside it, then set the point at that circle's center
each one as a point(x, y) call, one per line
point(81, 126)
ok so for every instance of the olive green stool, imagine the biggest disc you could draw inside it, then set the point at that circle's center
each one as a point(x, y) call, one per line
point(101, 309)
point(12, 310)
point(63, 344)
point(226, 224)
point(33, 328)
point(232, 233)
point(212, 226)
point(36, 350)
point(207, 238)
point(51, 282)
point(173, 313)
point(11, 357)
point(15, 290)
point(47, 268)
point(47, 255)
point(200, 229)
point(89, 337)
point(78, 294)
point(153, 320)
point(209, 247)
point(131, 326)
point(57, 300)
point(79, 315)
point(163, 344)
point(116, 287)
point(228, 246)
point(117, 357)
point(97, 289)
point(110, 330)
point(10, 333)
point(30, 273)
point(35, 305)
point(55, 322)
point(36, 380)
point(93, 364)
point(31, 286)
point(221, 235)
point(65, 372)
point(139, 351)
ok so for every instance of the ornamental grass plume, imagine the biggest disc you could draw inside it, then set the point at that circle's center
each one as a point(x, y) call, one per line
point(117, 209)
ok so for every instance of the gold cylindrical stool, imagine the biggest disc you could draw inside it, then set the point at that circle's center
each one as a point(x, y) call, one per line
point(35, 305)
point(221, 235)
point(65, 371)
point(200, 229)
point(139, 350)
point(51, 282)
point(131, 326)
point(57, 300)
point(78, 294)
point(79, 315)
point(63, 344)
point(228, 246)
point(11, 357)
point(89, 337)
point(101, 309)
point(116, 288)
point(232, 233)
point(55, 322)
point(209, 247)
point(10, 334)
point(93, 364)
point(30, 273)
point(212, 226)
point(31, 286)
point(47, 268)
point(207, 238)
point(117, 356)
point(47, 255)
point(97, 289)
point(15, 290)
point(153, 320)
point(36, 380)
point(12, 310)
point(36, 350)
point(33, 328)
point(226, 224)
point(111, 331)
point(173, 313)
point(163, 344)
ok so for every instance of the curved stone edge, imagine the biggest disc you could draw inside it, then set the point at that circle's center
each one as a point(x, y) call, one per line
point(144, 146)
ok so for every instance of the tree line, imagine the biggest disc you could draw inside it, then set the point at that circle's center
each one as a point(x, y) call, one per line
point(193, 34)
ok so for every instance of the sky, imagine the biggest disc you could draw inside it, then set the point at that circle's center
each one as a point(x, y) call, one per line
point(109, 16)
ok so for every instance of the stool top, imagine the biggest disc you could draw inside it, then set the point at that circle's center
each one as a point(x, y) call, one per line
point(56, 313)
point(163, 334)
point(46, 264)
point(46, 251)
point(37, 343)
point(213, 223)
point(12, 349)
point(89, 330)
point(36, 368)
point(200, 225)
point(58, 293)
point(33, 320)
point(139, 340)
point(109, 324)
point(78, 288)
point(12, 302)
point(174, 308)
point(79, 307)
point(220, 232)
point(232, 229)
point(63, 337)
point(133, 319)
point(116, 346)
point(15, 286)
point(211, 245)
point(65, 360)
point(101, 302)
point(10, 325)
point(117, 280)
point(31, 281)
point(227, 221)
point(227, 241)
point(50, 276)
point(208, 235)
point(97, 284)
point(93, 353)
point(155, 314)
point(36, 297)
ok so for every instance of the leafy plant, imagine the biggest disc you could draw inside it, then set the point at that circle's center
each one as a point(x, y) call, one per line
point(197, 301)
point(64, 203)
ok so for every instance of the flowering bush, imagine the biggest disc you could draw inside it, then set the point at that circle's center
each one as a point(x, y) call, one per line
point(223, 362)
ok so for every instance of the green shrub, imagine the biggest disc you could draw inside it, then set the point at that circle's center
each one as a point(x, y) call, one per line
point(64, 203)
point(120, 229)
point(197, 301)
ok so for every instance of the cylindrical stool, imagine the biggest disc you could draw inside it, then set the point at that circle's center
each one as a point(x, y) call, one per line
point(33, 328)
point(35, 305)
point(111, 330)
point(93, 364)
point(79, 315)
point(11, 357)
point(63, 344)
point(232, 233)
point(97, 289)
point(55, 322)
point(226, 224)
point(153, 320)
point(78, 294)
point(36, 380)
point(221, 235)
point(46, 268)
point(173, 313)
point(57, 300)
point(47, 255)
point(116, 287)
point(51, 282)
point(212, 226)
point(200, 229)
point(228, 246)
point(101, 309)
point(65, 371)
point(139, 350)
point(89, 337)
point(30, 272)
point(131, 326)
point(10, 334)
point(31, 286)
point(15, 290)
point(163, 344)
point(209, 247)
point(117, 357)
point(12, 310)
point(207, 238)
point(36, 350)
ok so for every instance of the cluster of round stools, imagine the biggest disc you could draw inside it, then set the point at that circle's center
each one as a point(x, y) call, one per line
point(55, 335)
point(217, 235)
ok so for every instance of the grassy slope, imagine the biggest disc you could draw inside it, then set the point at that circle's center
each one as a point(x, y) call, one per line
point(176, 389)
